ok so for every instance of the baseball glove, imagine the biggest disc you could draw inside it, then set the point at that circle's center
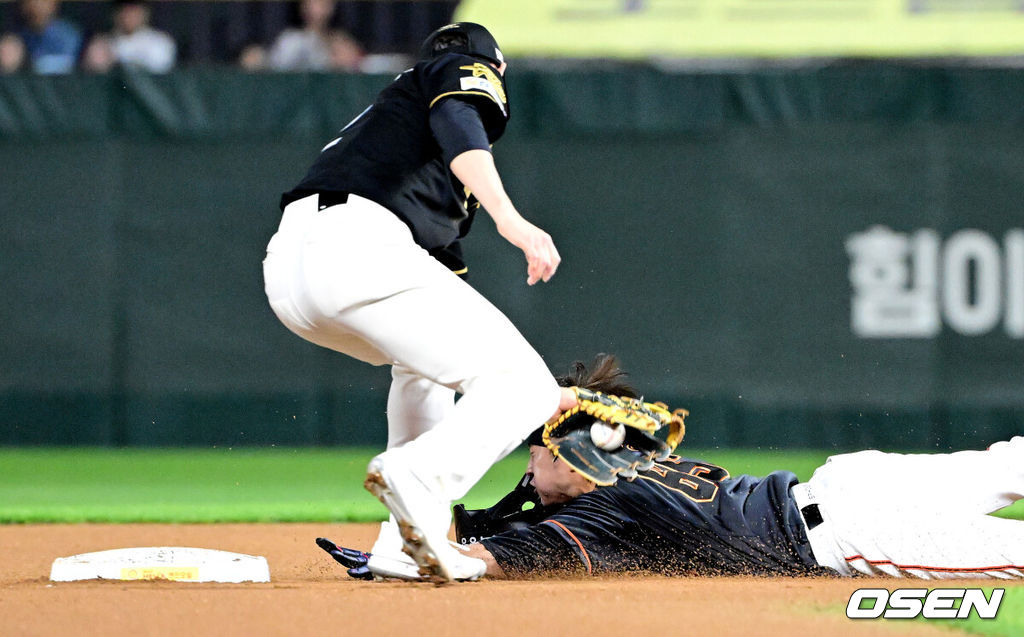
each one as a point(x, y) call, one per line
point(571, 436)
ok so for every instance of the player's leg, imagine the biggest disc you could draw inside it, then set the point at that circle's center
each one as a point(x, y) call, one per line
point(967, 481)
point(452, 336)
point(282, 268)
point(507, 390)
point(1004, 460)
point(963, 482)
point(287, 273)
point(919, 515)
point(405, 305)
point(434, 326)
point(930, 546)
point(415, 405)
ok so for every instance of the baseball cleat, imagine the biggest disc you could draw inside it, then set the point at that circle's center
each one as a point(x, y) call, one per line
point(423, 521)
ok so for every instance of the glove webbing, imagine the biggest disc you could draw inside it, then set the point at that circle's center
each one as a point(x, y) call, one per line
point(631, 412)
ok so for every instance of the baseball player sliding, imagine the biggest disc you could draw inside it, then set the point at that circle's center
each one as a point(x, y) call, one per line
point(367, 262)
point(923, 516)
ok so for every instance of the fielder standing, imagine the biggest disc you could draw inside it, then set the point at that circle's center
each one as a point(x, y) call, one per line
point(367, 262)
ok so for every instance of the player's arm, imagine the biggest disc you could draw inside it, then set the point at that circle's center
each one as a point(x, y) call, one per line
point(547, 547)
point(476, 169)
point(460, 132)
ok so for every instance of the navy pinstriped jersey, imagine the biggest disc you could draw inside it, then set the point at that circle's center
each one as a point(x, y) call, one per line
point(682, 517)
point(389, 154)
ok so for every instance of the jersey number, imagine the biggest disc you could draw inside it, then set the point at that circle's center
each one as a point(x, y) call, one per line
point(695, 480)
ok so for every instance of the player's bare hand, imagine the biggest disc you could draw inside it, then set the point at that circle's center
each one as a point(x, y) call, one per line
point(542, 257)
point(566, 401)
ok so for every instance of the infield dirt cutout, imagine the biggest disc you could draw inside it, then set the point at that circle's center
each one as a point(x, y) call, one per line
point(310, 594)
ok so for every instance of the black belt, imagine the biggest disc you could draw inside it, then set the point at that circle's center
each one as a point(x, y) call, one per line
point(328, 199)
point(812, 516)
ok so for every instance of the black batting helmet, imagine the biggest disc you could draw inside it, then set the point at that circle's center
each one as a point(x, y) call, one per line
point(478, 42)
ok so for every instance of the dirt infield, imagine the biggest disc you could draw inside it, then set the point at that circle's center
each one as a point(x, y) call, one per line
point(310, 594)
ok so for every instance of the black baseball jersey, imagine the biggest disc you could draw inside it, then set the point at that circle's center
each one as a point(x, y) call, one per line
point(682, 517)
point(390, 155)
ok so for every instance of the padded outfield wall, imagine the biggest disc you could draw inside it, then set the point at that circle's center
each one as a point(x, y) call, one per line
point(827, 257)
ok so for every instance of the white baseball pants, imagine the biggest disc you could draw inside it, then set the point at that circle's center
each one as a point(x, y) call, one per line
point(351, 278)
point(924, 516)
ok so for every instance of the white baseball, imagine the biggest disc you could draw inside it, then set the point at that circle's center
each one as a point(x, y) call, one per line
point(607, 437)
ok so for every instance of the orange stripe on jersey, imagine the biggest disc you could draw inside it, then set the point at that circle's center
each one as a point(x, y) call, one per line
point(950, 569)
point(586, 556)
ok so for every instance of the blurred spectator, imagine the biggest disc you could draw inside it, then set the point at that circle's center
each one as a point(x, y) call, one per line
point(253, 57)
point(344, 51)
point(98, 56)
point(315, 47)
point(52, 44)
point(133, 42)
point(12, 54)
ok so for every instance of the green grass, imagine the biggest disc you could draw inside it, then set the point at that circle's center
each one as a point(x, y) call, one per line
point(250, 485)
point(200, 485)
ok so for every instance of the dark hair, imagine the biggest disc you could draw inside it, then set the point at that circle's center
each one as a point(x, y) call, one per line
point(445, 41)
point(604, 376)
